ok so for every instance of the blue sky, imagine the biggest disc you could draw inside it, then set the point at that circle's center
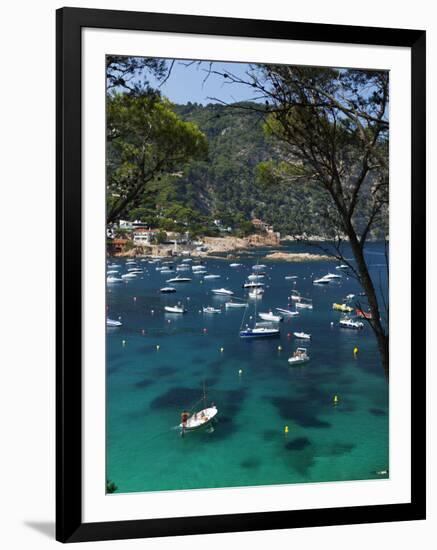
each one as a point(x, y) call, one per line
point(187, 83)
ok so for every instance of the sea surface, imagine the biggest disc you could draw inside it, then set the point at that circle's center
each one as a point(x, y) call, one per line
point(158, 363)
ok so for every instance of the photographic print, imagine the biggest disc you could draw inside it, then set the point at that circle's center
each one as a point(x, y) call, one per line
point(247, 226)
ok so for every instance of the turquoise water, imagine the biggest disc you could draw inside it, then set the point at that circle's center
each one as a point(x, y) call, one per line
point(147, 388)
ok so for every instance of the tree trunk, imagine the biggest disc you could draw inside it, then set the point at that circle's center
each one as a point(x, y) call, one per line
point(367, 284)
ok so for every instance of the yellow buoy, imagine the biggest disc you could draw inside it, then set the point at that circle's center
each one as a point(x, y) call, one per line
point(286, 430)
point(356, 351)
point(336, 399)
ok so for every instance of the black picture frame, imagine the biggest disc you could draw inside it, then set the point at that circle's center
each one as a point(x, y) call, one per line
point(69, 525)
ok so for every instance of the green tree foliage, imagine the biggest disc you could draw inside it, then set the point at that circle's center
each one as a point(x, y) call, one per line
point(146, 140)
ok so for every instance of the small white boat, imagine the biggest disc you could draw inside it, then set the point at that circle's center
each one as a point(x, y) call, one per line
point(166, 271)
point(255, 277)
point(179, 279)
point(112, 272)
point(258, 267)
point(302, 335)
point(175, 309)
point(200, 272)
point(198, 420)
point(113, 266)
point(231, 305)
point(211, 309)
point(235, 265)
point(350, 296)
point(211, 276)
point(321, 281)
point(332, 276)
point(158, 268)
point(134, 270)
point(305, 303)
point(183, 267)
point(299, 356)
point(111, 279)
point(198, 267)
point(256, 293)
point(342, 266)
point(222, 292)
point(131, 262)
point(295, 296)
point(129, 276)
point(288, 277)
point(253, 284)
point(270, 317)
point(350, 323)
point(287, 312)
point(187, 261)
point(167, 289)
point(113, 323)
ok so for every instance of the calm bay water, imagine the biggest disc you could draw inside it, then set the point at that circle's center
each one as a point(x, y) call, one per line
point(147, 388)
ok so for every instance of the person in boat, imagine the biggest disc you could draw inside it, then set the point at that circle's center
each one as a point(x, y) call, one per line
point(184, 418)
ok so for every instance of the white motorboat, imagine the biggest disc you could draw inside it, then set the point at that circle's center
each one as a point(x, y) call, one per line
point(299, 356)
point(256, 293)
point(255, 277)
point(134, 270)
point(211, 309)
point(183, 267)
point(270, 317)
point(198, 267)
point(235, 265)
point(179, 279)
point(212, 276)
point(302, 335)
point(112, 279)
point(332, 276)
point(342, 266)
point(287, 312)
point(222, 292)
point(113, 323)
point(175, 309)
point(350, 296)
point(112, 272)
point(288, 277)
point(305, 303)
point(295, 296)
point(166, 271)
point(197, 420)
point(187, 261)
point(350, 323)
point(167, 289)
point(113, 266)
point(259, 267)
point(321, 281)
point(231, 305)
point(129, 276)
point(253, 284)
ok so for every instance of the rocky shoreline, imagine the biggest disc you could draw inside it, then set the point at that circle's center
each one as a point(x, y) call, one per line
point(297, 257)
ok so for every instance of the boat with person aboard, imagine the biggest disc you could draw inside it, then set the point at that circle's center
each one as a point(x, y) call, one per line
point(200, 419)
point(113, 323)
point(299, 356)
point(350, 323)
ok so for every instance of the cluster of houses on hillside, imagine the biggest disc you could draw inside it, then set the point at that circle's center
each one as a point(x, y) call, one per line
point(128, 234)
